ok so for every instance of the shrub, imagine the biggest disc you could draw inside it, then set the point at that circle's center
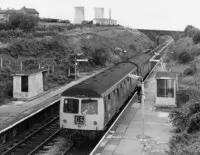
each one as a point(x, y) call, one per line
point(196, 38)
point(194, 123)
point(179, 145)
point(185, 57)
point(182, 98)
point(9, 35)
point(22, 21)
point(100, 57)
point(179, 119)
point(191, 31)
point(189, 71)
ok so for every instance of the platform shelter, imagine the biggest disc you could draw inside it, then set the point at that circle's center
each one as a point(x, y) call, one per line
point(28, 84)
point(167, 85)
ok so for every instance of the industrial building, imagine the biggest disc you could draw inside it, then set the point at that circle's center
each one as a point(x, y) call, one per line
point(98, 13)
point(79, 15)
point(99, 18)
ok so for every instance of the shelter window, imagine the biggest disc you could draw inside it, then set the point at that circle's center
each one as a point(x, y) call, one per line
point(24, 83)
point(165, 88)
point(89, 107)
point(71, 106)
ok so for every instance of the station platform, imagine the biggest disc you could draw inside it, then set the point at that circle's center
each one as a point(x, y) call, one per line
point(16, 111)
point(128, 138)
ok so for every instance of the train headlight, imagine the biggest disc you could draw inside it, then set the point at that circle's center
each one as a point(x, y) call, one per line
point(64, 120)
point(95, 123)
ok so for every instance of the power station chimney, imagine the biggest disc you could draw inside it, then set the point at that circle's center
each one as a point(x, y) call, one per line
point(109, 13)
point(79, 15)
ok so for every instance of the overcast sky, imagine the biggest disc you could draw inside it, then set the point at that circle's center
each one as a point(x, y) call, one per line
point(146, 14)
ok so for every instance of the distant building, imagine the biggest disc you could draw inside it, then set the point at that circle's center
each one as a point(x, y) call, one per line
point(30, 11)
point(99, 13)
point(79, 15)
point(102, 20)
point(105, 21)
point(4, 14)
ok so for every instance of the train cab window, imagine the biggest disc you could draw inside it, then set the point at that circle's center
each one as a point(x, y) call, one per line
point(89, 107)
point(71, 106)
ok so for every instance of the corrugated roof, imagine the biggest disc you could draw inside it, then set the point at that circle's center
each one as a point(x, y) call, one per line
point(171, 75)
point(29, 72)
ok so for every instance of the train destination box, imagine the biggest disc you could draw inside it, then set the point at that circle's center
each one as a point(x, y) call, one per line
point(166, 84)
point(28, 84)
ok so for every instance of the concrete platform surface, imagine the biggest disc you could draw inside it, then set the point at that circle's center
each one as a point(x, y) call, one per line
point(128, 138)
point(15, 111)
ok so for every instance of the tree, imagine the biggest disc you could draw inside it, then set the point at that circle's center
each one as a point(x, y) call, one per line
point(23, 21)
point(185, 57)
point(100, 57)
point(196, 38)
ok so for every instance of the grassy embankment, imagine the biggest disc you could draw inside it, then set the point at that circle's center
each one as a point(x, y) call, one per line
point(183, 57)
point(102, 45)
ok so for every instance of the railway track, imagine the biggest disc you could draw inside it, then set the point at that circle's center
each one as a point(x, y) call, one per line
point(38, 141)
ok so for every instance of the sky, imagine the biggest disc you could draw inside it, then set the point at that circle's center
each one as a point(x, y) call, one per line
point(139, 14)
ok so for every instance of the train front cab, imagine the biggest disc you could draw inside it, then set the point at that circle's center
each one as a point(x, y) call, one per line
point(81, 113)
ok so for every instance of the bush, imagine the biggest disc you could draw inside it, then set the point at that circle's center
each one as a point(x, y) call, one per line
point(196, 38)
point(179, 119)
point(100, 57)
point(185, 57)
point(189, 71)
point(194, 123)
point(191, 31)
point(181, 145)
point(9, 35)
point(182, 98)
point(22, 21)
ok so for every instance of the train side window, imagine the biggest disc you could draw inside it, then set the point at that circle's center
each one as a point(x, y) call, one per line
point(105, 105)
point(117, 91)
point(108, 96)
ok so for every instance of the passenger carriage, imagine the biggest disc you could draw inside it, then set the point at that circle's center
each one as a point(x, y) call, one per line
point(91, 104)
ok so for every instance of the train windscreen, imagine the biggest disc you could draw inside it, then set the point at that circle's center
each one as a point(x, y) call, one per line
point(89, 107)
point(71, 106)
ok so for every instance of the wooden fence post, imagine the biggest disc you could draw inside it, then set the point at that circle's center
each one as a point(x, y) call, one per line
point(21, 65)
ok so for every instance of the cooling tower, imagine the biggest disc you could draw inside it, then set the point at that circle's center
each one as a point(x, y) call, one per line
point(79, 15)
point(110, 13)
point(99, 13)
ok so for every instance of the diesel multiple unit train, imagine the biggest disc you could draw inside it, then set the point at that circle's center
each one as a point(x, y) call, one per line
point(87, 107)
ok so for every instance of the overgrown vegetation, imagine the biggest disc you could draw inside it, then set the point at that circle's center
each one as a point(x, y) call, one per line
point(6, 85)
point(186, 120)
point(186, 117)
point(24, 22)
point(57, 52)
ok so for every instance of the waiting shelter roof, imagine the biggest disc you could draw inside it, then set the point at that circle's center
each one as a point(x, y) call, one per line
point(166, 75)
point(29, 72)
